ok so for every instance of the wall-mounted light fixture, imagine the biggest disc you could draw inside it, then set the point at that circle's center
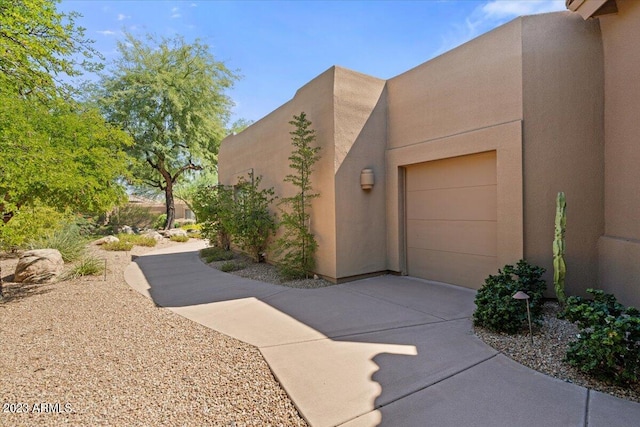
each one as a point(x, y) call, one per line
point(367, 179)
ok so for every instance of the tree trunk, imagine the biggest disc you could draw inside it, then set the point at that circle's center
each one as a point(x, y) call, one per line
point(170, 205)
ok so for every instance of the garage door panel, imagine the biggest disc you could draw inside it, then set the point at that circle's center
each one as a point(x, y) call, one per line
point(468, 203)
point(467, 237)
point(449, 267)
point(451, 219)
point(478, 169)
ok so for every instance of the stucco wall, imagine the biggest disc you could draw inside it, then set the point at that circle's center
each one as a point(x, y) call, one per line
point(360, 142)
point(466, 101)
point(563, 142)
point(266, 145)
point(620, 245)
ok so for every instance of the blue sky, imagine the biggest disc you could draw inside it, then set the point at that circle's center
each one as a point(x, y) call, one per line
point(278, 46)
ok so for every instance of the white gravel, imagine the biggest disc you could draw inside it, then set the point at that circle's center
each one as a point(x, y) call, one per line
point(94, 352)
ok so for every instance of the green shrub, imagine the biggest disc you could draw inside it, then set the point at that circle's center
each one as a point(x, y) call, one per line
point(216, 208)
point(67, 240)
point(118, 246)
point(88, 266)
point(230, 266)
point(29, 224)
point(195, 235)
point(608, 345)
point(138, 239)
point(495, 307)
point(130, 214)
point(160, 221)
point(179, 238)
point(216, 254)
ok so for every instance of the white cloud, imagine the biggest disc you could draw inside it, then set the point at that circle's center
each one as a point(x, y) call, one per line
point(175, 12)
point(107, 32)
point(193, 5)
point(500, 9)
point(492, 14)
point(122, 17)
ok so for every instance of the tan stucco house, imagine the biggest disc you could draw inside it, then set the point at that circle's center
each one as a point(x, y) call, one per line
point(468, 152)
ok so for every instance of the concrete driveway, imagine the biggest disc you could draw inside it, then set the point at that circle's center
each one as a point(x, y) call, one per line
point(384, 351)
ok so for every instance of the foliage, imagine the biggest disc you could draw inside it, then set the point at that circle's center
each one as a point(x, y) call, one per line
point(186, 189)
point(216, 254)
point(66, 239)
point(38, 45)
point(138, 239)
point(215, 207)
point(230, 266)
point(253, 223)
point(608, 345)
point(559, 266)
point(135, 216)
point(297, 245)
point(495, 307)
point(178, 238)
point(58, 155)
point(160, 221)
point(87, 266)
point(169, 95)
point(118, 246)
point(29, 224)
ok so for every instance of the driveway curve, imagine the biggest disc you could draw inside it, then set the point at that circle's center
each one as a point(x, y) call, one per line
point(383, 351)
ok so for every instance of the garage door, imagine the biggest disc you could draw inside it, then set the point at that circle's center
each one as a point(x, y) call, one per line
point(451, 219)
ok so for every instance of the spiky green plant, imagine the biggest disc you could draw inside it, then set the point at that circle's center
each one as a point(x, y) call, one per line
point(559, 265)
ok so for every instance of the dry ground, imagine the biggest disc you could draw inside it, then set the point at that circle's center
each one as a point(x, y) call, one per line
point(93, 352)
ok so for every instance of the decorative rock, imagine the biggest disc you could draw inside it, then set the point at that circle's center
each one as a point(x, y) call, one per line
point(157, 236)
point(106, 239)
point(39, 266)
point(126, 229)
point(176, 232)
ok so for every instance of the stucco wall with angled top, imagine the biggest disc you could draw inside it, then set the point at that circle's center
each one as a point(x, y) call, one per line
point(620, 243)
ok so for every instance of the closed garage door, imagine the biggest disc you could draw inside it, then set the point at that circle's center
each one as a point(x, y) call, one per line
point(451, 219)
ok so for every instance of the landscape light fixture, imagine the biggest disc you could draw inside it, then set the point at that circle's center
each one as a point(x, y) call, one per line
point(522, 295)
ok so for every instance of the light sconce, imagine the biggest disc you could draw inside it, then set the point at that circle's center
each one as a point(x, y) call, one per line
point(367, 179)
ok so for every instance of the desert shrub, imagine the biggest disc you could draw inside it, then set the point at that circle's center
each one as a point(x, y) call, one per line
point(608, 345)
point(66, 239)
point(134, 216)
point(87, 266)
point(253, 223)
point(118, 246)
point(495, 307)
point(179, 238)
point(230, 266)
point(138, 239)
point(29, 224)
point(159, 222)
point(216, 254)
point(189, 227)
point(215, 208)
point(195, 235)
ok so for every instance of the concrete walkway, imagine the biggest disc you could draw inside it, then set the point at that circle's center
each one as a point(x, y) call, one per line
point(385, 351)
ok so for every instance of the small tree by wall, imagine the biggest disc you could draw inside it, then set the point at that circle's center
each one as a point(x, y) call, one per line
point(297, 246)
point(254, 224)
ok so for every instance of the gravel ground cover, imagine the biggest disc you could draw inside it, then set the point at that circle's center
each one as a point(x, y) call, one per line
point(550, 342)
point(546, 355)
point(93, 352)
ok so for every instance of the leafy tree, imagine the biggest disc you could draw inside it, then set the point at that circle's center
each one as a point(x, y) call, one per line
point(169, 95)
point(297, 245)
point(37, 44)
point(186, 189)
point(58, 155)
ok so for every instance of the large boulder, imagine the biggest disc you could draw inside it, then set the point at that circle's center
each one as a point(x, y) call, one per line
point(106, 239)
point(39, 266)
